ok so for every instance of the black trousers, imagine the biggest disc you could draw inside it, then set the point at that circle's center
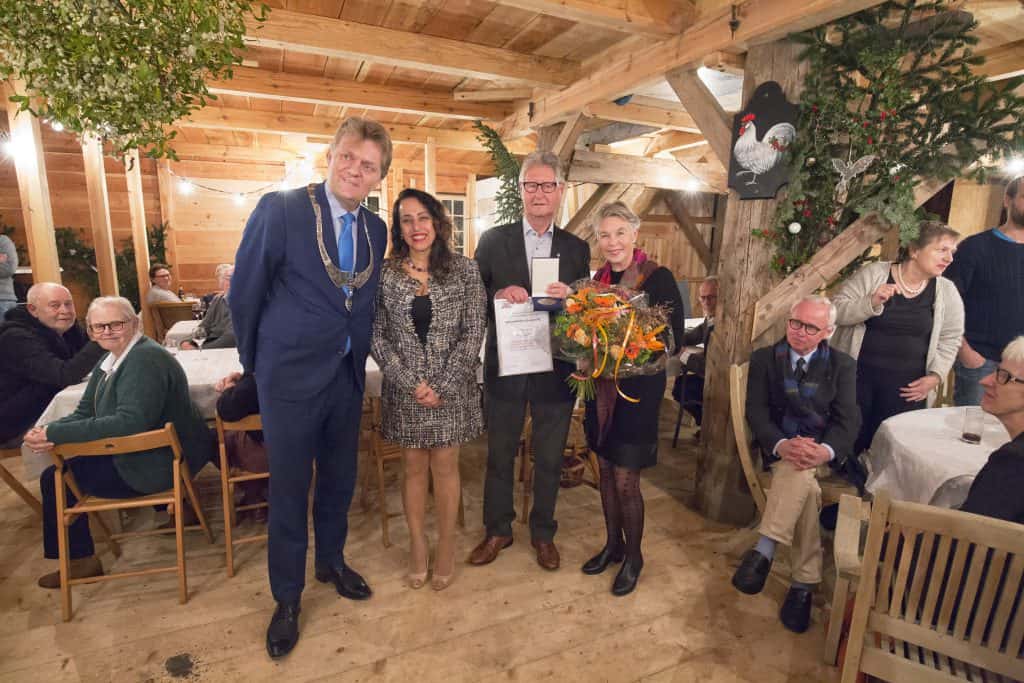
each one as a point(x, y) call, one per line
point(324, 428)
point(95, 476)
point(505, 420)
point(878, 395)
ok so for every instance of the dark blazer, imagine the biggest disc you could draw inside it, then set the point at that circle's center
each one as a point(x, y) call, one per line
point(290, 320)
point(501, 256)
point(996, 491)
point(701, 334)
point(836, 397)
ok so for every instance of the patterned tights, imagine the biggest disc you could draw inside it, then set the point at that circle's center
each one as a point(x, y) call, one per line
point(623, 507)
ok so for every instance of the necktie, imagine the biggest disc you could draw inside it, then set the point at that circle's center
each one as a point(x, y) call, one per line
point(345, 260)
point(800, 371)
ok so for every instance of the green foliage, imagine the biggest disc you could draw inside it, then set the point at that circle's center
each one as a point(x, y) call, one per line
point(508, 200)
point(894, 82)
point(124, 70)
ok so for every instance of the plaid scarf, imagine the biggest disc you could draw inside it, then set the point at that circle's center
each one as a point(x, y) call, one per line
point(801, 417)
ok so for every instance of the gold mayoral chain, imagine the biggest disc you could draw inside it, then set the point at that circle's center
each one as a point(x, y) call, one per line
point(339, 277)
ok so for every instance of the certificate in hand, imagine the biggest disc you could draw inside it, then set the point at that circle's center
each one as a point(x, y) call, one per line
point(524, 339)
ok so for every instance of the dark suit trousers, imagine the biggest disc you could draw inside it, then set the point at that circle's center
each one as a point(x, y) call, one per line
point(325, 429)
point(504, 425)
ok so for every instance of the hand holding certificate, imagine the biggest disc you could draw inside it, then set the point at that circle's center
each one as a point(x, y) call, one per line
point(524, 338)
point(544, 273)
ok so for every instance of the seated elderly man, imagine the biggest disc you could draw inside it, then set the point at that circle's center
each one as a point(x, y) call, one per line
point(42, 350)
point(802, 408)
point(137, 387)
point(689, 387)
point(216, 325)
point(997, 490)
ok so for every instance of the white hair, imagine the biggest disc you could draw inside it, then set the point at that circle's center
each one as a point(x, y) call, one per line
point(40, 289)
point(1014, 351)
point(819, 300)
point(223, 268)
point(549, 159)
point(615, 209)
point(118, 302)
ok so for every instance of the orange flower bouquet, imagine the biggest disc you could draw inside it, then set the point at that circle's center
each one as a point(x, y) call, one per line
point(610, 332)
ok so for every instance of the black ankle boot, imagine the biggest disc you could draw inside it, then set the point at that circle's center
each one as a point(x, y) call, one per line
point(598, 563)
point(628, 576)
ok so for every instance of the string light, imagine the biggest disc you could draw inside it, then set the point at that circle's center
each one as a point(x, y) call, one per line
point(1015, 166)
point(691, 184)
point(239, 199)
point(57, 126)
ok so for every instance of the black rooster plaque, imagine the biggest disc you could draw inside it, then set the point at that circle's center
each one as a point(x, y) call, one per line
point(761, 135)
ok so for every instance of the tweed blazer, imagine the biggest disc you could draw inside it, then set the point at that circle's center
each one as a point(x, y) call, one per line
point(447, 363)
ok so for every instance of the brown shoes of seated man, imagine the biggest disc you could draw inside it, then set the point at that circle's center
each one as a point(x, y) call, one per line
point(488, 549)
point(81, 568)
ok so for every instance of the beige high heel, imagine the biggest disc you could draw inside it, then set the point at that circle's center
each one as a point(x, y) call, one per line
point(417, 580)
point(439, 582)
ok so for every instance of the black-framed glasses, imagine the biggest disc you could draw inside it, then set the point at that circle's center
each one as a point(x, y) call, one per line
point(113, 326)
point(546, 188)
point(795, 325)
point(1005, 377)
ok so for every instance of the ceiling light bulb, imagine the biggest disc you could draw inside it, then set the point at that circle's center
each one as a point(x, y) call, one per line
point(185, 187)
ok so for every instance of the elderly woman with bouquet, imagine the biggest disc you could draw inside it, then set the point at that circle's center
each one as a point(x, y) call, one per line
point(627, 342)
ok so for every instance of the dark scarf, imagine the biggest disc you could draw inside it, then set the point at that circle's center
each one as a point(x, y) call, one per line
point(801, 417)
point(632, 278)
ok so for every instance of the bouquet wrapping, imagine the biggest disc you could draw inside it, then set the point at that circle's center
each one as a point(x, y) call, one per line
point(610, 332)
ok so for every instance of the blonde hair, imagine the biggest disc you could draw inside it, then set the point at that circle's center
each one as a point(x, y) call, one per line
point(367, 129)
point(616, 209)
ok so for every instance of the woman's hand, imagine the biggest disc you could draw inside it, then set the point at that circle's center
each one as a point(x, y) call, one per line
point(36, 440)
point(881, 295)
point(426, 396)
point(919, 389)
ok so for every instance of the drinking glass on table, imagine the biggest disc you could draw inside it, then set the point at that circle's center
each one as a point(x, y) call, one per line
point(974, 424)
point(199, 336)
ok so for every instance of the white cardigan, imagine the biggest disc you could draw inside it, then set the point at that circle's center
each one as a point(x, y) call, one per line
point(853, 307)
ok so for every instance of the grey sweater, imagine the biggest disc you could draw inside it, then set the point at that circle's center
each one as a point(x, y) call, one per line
point(7, 267)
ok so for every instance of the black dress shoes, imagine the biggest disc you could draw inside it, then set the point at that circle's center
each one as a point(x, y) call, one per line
point(628, 576)
point(598, 563)
point(348, 582)
point(283, 632)
point(796, 610)
point(752, 572)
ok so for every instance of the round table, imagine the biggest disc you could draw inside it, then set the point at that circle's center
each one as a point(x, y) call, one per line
point(918, 456)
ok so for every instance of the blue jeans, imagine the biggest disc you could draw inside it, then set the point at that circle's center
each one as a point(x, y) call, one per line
point(966, 389)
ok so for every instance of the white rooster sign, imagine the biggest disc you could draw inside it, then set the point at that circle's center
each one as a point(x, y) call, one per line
point(757, 170)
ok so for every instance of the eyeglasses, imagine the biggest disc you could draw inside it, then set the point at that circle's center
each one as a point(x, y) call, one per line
point(115, 326)
point(795, 325)
point(1004, 377)
point(547, 188)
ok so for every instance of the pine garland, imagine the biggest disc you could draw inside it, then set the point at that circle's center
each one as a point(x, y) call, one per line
point(508, 200)
point(890, 99)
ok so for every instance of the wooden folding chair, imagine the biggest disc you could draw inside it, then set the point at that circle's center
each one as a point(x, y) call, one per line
point(939, 597)
point(16, 485)
point(124, 445)
point(228, 479)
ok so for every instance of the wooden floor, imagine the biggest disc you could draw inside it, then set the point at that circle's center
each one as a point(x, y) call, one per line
point(507, 621)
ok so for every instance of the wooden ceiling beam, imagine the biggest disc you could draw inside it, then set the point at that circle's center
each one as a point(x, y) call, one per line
point(312, 34)
point(670, 141)
point(1005, 61)
point(643, 115)
point(495, 95)
point(760, 21)
point(715, 124)
point(599, 167)
point(249, 82)
point(658, 18)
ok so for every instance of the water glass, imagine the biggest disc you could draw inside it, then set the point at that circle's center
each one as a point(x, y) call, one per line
point(974, 425)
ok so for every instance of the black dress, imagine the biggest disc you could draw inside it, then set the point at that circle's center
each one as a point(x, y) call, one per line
point(632, 438)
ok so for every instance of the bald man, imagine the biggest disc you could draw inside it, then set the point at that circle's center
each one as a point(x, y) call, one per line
point(42, 350)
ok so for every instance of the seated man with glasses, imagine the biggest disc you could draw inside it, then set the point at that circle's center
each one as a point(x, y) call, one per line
point(137, 387)
point(802, 408)
point(996, 491)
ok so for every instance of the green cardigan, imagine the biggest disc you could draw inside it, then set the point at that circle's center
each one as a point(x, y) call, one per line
point(146, 391)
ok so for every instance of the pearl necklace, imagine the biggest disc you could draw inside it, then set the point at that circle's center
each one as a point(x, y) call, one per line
point(907, 291)
point(415, 267)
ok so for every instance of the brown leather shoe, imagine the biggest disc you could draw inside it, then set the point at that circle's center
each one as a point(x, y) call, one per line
point(488, 550)
point(547, 554)
point(81, 568)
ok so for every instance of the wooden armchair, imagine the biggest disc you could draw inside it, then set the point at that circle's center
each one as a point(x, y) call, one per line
point(158, 438)
point(853, 516)
point(167, 313)
point(228, 479)
point(939, 597)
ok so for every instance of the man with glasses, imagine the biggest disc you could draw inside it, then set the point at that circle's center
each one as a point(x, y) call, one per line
point(505, 257)
point(160, 291)
point(42, 350)
point(802, 407)
point(997, 490)
point(688, 389)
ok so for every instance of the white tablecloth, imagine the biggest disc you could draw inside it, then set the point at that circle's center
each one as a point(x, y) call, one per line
point(693, 322)
point(202, 368)
point(179, 332)
point(919, 457)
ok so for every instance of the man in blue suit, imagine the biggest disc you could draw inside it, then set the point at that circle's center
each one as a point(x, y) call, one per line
point(302, 304)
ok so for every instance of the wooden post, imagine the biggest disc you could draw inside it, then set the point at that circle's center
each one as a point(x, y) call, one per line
point(469, 217)
point(99, 213)
point(140, 240)
point(34, 191)
point(430, 166)
point(165, 184)
point(744, 274)
point(975, 208)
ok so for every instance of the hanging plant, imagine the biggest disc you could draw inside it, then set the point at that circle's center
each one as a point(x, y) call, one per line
point(508, 200)
point(891, 98)
point(123, 70)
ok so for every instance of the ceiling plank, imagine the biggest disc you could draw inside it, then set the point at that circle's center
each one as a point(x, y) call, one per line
point(714, 123)
point(495, 95)
point(659, 18)
point(248, 82)
point(285, 29)
point(1005, 61)
point(670, 141)
point(643, 115)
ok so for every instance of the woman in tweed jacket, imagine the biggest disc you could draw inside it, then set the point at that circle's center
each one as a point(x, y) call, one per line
point(427, 334)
